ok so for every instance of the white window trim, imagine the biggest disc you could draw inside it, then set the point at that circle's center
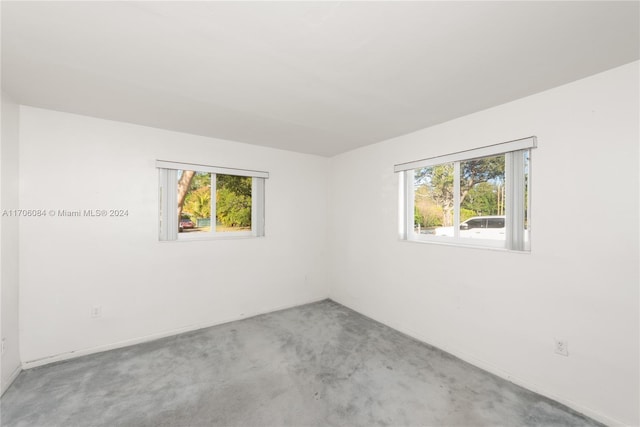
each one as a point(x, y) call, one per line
point(489, 150)
point(168, 191)
point(163, 164)
point(514, 180)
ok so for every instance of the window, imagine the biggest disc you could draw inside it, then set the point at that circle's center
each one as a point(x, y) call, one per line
point(478, 197)
point(199, 201)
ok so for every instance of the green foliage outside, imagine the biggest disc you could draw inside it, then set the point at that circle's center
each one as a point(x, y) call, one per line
point(427, 212)
point(239, 185)
point(481, 191)
point(233, 199)
point(197, 204)
point(485, 199)
point(232, 209)
point(465, 214)
point(418, 217)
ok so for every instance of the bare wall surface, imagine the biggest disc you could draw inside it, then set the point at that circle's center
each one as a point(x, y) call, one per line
point(146, 288)
point(9, 275)
point(502, 310)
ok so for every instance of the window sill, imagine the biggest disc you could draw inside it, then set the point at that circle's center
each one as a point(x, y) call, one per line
point(210, 238)
point(463, 245)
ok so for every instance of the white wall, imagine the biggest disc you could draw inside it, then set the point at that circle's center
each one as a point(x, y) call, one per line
point(149, 288)
point(10, 366)
point(502, 310)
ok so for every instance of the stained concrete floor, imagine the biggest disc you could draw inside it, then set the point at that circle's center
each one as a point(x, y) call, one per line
point(315, 365)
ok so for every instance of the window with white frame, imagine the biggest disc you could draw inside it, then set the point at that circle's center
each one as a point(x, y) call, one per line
point(200, 201)
point(478, 197)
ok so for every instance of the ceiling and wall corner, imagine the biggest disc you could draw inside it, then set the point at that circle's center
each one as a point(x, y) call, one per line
point(313, 77)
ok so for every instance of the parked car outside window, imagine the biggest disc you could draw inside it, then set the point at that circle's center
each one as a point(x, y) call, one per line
point(478, 227)
point(185, 223)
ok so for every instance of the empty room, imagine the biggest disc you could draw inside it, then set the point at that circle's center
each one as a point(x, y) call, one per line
point(320, 213)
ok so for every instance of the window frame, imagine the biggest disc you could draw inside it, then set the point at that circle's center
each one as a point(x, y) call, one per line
point(515, 189)
point(168, 189)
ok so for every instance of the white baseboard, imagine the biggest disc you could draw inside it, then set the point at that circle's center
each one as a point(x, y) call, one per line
point(596, 415)
point(126, 343)
point(10, 380)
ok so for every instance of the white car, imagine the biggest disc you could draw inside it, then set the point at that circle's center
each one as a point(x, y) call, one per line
point(478, 227)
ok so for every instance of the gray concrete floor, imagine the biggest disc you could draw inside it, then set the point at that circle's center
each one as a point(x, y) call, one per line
point(316, 365)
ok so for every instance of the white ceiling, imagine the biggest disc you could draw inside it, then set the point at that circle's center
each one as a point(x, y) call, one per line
point(314, 77)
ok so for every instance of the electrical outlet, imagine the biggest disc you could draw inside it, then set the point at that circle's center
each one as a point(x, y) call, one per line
point(96, 311)
point(562, 347)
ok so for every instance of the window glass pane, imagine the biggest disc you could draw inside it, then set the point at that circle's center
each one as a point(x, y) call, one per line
point(471, 194)
point(482, 198)
point(197, 204)
point(433, 200)
point(194, 201)
point(233, 203)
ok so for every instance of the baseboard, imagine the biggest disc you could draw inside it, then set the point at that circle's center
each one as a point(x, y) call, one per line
point(598, 416)
point(152, 337)
point(10, 380)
